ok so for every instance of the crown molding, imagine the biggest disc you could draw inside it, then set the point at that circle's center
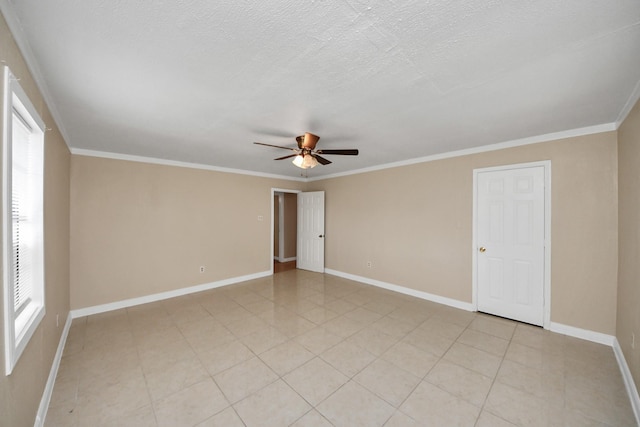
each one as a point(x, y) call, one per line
point(165, 162)
point(590, 130)
point(607, 127)
point(32, 64)
point(631, 102)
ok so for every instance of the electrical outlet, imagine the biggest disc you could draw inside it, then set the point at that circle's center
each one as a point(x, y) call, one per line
point(260, 217)
point(202, 269)
point(368, 264)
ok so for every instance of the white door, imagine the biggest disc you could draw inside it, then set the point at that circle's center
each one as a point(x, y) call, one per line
point(510, 243)
point(310, 248)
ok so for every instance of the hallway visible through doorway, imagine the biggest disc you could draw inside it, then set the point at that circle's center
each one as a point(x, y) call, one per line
point(283, 266)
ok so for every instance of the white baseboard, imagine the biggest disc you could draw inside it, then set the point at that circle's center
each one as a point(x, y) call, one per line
point(584, 334)
point(404, 290)
point(53, 373)
point(87, 311)
point(632, 391)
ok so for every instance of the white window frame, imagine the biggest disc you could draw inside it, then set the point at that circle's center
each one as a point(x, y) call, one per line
point(19, 327)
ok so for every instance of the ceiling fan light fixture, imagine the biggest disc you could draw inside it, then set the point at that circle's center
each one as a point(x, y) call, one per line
point(298, 160)
point(305, 161)
point(309, 162)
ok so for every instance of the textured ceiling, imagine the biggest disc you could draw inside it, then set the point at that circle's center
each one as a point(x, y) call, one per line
point(198, 81)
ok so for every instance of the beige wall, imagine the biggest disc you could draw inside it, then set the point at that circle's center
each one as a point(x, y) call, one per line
point(139, 229)
point(414, 223)
point(20, 393)
point(629, 241)
point(290, 224)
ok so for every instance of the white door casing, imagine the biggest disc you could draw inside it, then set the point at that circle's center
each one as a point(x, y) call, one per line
point(310, 245)
point(280, 220)
point(274, 192)
point(511, 226)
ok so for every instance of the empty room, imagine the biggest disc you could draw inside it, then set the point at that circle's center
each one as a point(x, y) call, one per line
point(322, 213)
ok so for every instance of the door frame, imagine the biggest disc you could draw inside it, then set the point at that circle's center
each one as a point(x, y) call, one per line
point(273, 194)
point(547, 233)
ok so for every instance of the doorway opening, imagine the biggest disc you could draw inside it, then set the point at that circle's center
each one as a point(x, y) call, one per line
point(283, 229)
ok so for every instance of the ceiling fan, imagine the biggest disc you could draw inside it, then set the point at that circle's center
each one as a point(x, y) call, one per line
point(306, 155)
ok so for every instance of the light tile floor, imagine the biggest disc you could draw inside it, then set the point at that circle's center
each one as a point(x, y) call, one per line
point(308, 349)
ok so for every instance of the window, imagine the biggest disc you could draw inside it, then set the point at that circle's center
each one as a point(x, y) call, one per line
point(22, 219)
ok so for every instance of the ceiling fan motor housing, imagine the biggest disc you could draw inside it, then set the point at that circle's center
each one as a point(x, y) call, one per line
point(308, 141)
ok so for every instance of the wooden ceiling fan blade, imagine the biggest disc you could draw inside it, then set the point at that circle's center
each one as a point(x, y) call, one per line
point(343, 152)
point(286, 157)
point(274, 146)
point(321, 160)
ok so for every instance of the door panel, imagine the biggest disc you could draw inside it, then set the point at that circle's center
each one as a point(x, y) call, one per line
point(510, 221)
point(310, 245)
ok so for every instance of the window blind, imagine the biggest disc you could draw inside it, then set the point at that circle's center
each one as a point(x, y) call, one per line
point(22, 212)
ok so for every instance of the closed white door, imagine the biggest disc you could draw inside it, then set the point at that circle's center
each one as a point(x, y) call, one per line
point(510, 243)
point(310, 247)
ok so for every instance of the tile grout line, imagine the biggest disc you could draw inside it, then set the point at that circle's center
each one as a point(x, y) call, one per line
point(495, 378)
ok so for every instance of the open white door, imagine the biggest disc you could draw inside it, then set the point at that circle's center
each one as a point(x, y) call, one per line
point(510, 238)
point(310, 248)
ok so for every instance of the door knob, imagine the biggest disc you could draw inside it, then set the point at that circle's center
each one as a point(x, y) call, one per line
point(482, 249)
point(321, 236)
